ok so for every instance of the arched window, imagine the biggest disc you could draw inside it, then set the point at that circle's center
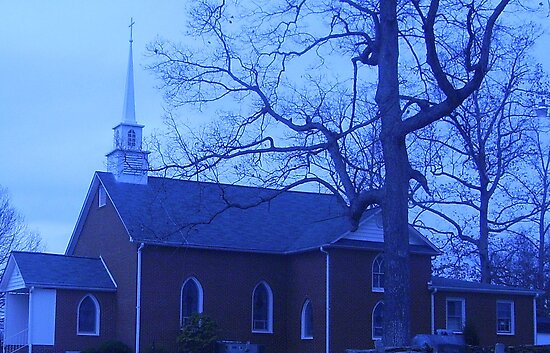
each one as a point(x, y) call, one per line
point(131, 138)
point(88, 316)
point(378, 273)
point(191, 299)
point(262, 308)
point(307, 320)
point(378, 321)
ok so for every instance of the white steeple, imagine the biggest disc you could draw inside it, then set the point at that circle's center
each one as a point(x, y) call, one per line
point(129, 109)
point(128, 162)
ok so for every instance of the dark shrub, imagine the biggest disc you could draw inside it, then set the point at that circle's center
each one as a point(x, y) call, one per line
point(471, 336)
point(199, 335)
point(109, 347)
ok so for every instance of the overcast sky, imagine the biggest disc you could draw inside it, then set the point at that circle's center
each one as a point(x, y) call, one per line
point(62, 73)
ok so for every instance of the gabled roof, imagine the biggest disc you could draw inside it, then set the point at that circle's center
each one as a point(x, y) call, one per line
point(26, 270)
point(455, 285)
point(172, 212)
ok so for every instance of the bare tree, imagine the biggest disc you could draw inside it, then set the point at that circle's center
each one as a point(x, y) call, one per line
point(478, 156)
point(14, 235)
point(529, 267)
point(292, 81)
point(541, 198)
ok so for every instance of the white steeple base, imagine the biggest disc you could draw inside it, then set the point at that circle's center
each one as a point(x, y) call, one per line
point(128, 166)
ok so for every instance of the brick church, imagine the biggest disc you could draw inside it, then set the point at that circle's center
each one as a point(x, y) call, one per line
point(148, 252)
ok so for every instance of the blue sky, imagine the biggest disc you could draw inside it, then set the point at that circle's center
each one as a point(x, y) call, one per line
point(62, 75)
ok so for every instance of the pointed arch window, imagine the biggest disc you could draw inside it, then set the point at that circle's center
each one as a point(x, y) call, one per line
point(378, 273)
point(191, 299)
point(307, 321)
point(378, 321)
point(88, 316)
point(262, 308)
point(131, 139)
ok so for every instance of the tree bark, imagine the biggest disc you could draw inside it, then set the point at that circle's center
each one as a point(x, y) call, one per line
point(395, 198)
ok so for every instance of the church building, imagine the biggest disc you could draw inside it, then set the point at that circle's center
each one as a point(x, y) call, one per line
point(284, 276)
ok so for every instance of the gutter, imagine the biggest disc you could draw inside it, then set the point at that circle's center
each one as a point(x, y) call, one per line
point(327, 300)
point(434, 291)
point(138, 297)
point(485, 290)
point(30, 323)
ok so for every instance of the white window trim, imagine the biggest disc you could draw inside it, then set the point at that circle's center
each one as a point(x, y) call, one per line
point(374, 262)
point(200, 298)
point(512, 318)
point(447, 300)
point(375, 338)
point(269, 309)
point(97, 317)
point(303, 320)
point(102, 196)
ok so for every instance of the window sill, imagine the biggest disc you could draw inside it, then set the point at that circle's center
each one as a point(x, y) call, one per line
point(87, 334)
point(262, 332)
point(505, 334)
point(307, 338)
point(377, 290)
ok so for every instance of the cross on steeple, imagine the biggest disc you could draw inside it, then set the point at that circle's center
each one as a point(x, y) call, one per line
point(132, 23)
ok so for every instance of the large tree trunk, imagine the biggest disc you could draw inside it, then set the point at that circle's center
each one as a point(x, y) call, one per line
point(397, 294)
point(395, 199)
point(483, 242)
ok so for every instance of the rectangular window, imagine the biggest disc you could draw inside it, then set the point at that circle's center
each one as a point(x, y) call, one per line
point(456, 314)
point(102, 196)
point(505, 317)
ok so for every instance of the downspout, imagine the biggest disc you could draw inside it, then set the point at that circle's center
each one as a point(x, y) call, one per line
point(138, 297)
point(29, 333)
point(327, 300)
point(535, 319)
point(434, 290)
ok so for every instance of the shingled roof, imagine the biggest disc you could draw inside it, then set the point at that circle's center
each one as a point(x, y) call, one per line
point(172, 212)
point(57, 271)
point(455, 285)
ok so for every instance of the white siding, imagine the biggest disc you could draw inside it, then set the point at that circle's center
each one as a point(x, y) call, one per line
point(15, 280)
point(370, 230)
point(543, 339)
point(16, 319)
point(42, 305)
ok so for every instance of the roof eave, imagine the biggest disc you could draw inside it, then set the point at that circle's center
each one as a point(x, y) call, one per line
point(484, 290)
point(204, 247)
point(68, 287)
point(412, 251)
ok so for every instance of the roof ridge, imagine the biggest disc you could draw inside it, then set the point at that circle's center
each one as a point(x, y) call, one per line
point(251, 187)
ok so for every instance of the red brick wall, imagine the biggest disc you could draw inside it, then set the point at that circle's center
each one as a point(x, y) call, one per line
point(66, 338)
point(227, 279)
point(306, 281)
point(481, 312)
point(103, 234)
point(352, 299)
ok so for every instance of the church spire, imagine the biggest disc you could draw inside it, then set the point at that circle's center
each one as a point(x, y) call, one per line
point(128, 161)
point(129, 109)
